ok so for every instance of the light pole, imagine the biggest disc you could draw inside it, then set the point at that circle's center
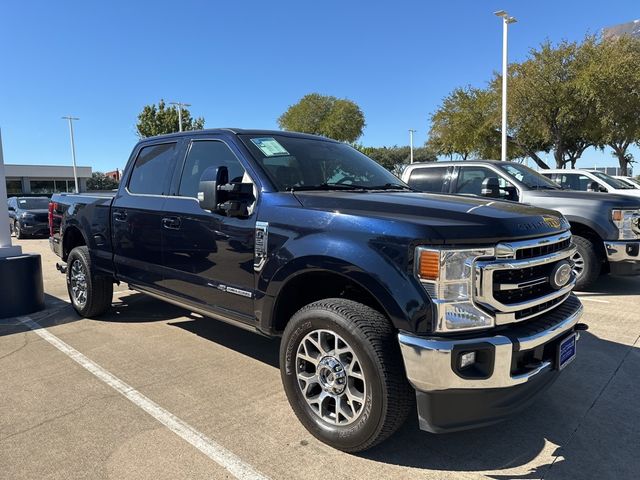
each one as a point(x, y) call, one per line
point(180, 105)
point(506, 20)
point(411, 132)
point(73, 148)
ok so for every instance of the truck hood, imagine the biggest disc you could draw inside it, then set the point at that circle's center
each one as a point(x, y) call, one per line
point(449, 218)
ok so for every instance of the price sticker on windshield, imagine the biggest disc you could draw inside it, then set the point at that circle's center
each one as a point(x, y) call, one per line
point(269, 146)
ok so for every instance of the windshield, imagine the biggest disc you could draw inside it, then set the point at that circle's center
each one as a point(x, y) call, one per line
point(295, 163)
point(33, 203)
point(628, 181)
point(614, 182)
point(528, 177)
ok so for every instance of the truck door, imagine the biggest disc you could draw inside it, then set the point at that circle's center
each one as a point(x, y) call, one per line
point(208, 256)
point(136, 214)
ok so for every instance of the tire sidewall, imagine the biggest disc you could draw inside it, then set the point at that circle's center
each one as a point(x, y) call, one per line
point(77, 256)
point(590, 260)
point(370, 420)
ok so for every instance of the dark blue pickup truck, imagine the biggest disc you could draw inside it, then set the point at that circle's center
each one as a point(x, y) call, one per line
point(382, 295)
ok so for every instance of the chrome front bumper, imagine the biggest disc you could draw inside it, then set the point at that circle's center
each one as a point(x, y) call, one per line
point(623, 257)
point(429, 361)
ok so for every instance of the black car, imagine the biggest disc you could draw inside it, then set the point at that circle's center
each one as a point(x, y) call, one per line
point(29, 216)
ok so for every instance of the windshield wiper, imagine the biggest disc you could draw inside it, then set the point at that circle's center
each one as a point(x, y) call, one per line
point(326, 186)
point(391, 186)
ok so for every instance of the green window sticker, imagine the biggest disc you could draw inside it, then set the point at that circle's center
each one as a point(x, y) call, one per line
point(269, 146)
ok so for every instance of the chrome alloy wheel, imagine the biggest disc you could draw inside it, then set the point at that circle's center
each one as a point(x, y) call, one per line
point(578, 264)
point(78, 279)
point(330, 377)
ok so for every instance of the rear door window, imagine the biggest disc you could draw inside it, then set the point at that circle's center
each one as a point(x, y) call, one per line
point(153, 169)
point(431, 179)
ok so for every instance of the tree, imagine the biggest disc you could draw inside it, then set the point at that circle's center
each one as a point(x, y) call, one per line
point(466, 125)
point(611, 80)
point(99, 181)
point(546, 110)
point(336, 118)
point(160, 120)
point(395, 158)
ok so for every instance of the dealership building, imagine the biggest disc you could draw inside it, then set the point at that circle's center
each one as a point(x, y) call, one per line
point(44, 179)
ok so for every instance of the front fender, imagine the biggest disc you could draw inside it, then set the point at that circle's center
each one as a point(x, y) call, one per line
point(373, 265)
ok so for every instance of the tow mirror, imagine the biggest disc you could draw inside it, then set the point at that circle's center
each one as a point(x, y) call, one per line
point(210, 180)
point(490, 187)
point(216, 194)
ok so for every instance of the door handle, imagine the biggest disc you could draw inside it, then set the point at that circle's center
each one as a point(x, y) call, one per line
point(120, 215)
point(171, 223)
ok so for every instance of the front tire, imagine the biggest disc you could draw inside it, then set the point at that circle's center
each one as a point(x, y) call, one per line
point(17, 231)
point(587, 264)
point(90, 294)
point(342, 372)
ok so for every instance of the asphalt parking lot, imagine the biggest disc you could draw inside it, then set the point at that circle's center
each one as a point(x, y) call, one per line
point(218, 387)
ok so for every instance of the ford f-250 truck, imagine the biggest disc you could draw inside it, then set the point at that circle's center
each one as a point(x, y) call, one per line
point(375, 289)
point(606, 228)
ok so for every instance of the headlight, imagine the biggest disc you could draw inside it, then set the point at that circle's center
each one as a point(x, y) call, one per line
point(628, 223)
point(27, 216)
point(447, 275)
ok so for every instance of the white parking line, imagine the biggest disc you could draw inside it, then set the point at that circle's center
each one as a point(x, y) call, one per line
point(592, 299)
point(216, 452)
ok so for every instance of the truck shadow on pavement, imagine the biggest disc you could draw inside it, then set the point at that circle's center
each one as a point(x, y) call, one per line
point(608, 285)
point(586, 422)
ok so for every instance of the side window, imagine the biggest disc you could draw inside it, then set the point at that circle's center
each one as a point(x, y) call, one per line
point(573, 181)
point(204, 154)
point(428, 179)
point(153, 169)
point(470, 180)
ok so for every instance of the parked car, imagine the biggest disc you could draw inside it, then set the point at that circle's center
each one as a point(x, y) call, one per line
point(590, 181)
point(628, 180)
point(376, 290)
point(605, 227)
point(28, 216)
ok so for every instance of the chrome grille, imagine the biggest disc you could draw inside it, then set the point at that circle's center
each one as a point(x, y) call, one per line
point(517, 285)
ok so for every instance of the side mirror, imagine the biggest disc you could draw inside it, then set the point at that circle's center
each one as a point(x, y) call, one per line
point(596, 187)
point(490, 187)
point(216, 194)
point(11, 209)
point(210, 180)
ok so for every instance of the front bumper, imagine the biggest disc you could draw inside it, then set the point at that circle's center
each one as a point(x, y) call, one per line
point(516, 361)
point(33, 228)
point(624, 257)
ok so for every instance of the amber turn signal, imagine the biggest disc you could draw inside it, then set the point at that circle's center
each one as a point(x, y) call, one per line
point(617, 215)
point(429, 265)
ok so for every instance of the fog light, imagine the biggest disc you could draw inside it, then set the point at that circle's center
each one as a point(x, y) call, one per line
point(467, 359)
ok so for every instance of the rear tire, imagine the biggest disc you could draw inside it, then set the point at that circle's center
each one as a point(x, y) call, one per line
point(357, 374)
point(17, 231)
point(90, 294)
point(587, 262)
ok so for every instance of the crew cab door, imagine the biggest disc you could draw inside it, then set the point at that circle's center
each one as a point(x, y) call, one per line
point(136, 214)
point(208, 256)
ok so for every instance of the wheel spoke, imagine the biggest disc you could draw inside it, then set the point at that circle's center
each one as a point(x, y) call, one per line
point(330, 377)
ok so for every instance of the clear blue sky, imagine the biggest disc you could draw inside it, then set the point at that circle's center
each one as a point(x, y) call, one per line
point(243, 63)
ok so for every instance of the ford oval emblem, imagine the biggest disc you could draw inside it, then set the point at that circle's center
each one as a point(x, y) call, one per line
point(560, 275)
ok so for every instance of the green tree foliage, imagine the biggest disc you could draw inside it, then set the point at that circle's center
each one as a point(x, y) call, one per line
point(99, 181)
point(336, 118)
point(465, 125)
point(563, 99)
point(546, 110)
point(610, 80)
point(160, 120)
point(395, 158)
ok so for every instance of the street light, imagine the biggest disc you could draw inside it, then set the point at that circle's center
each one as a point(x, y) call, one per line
point(506, 20)
point(411, 132)
point(180, 105)
point(73, 148)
